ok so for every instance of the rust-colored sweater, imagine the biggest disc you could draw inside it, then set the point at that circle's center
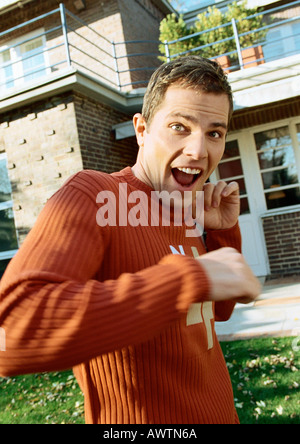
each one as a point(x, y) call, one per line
point(127, 307)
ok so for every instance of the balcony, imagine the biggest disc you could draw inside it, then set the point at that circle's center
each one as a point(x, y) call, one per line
point(244, 43)
point(59, 42)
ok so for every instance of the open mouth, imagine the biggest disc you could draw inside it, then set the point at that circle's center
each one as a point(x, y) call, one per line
point(186, 177)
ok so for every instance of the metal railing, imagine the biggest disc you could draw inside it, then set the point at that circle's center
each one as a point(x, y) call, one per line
point(237, 53)
point(64, 40)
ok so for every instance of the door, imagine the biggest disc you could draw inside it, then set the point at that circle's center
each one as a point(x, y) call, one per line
point(236, 166)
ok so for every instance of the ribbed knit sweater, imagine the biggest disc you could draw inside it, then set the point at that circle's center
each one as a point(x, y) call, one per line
point(126, 306)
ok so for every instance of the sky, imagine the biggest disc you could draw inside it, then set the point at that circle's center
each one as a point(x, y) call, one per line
point(188, 5)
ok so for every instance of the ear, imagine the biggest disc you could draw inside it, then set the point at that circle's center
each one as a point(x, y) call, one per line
point(140, 126)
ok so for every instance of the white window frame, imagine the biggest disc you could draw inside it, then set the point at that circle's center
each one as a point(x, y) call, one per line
point(287, 40)
point(4, 206)
point(250, 160)
point(16, 59)
point(216, 174)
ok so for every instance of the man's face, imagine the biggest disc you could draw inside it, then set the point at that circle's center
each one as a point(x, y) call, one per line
point(184, 142)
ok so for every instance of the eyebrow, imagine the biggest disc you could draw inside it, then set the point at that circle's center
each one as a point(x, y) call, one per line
point(195, 120)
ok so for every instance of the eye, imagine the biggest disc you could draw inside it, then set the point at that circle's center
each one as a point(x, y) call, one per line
point(216, 134)
point(178, 127)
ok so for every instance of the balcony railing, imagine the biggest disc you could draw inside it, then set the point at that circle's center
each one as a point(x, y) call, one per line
point(277, 37)
point(62, 40)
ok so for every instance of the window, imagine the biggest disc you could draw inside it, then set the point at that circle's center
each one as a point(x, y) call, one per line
point(22, 60)
point(282, 41)
point(278, 167)
point(230, 168)
point(6, 71)
point(8, 236)
point(298, 134)
point(33, 60)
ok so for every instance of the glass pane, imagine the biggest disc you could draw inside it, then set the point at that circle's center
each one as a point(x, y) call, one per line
point(6, 71)
point(230, 169)
point(3, 265)
point(280, 178)
point(5, 187)
point(296, 35)
point(231, 150)
point(34, 62)
point(8, 238)
point(242, 186)
point(244, 206)
point(276, 138)
point(283, 198)
point(276, 154)
point(273, 47)
point(276, 157)
point(298, 133)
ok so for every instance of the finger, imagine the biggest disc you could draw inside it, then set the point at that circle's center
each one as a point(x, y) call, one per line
point(208, 192)
point(231, 188)
point(220, 187)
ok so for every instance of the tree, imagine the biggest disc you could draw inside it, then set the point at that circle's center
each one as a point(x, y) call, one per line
point(212, 28)
point(173, 28)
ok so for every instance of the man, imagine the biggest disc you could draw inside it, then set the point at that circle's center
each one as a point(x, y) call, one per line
point(131, 305)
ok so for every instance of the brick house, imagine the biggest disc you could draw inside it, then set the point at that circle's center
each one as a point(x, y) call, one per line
point(71, 77)
point(59, 104)
point(263, 149)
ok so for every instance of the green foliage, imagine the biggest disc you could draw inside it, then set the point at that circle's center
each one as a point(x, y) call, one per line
point(264, 374)
point(46, 398)
point(173, 28)
point(265, 379)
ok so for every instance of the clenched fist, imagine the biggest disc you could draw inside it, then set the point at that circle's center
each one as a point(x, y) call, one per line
point(230, 276)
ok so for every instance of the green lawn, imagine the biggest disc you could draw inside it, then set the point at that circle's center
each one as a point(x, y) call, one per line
point(264, 375)
point(48, 398)
point(265, 379)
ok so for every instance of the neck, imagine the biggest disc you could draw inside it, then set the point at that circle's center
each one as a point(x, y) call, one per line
point(140, 173)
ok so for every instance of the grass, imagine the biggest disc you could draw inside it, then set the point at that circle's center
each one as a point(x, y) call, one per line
point(48, 398)
point(265, 380)
point(264, 374)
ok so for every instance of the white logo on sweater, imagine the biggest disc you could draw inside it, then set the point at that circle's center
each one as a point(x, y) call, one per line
point(201, 312)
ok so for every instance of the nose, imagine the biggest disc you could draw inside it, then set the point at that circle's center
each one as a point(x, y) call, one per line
point(196, 147)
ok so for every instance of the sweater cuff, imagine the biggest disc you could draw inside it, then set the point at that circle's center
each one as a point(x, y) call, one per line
point(230, 237)
point(192, 279)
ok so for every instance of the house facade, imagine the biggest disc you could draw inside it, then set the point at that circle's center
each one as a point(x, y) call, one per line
point(61, 67)
point(71, 77)
point(263, 149)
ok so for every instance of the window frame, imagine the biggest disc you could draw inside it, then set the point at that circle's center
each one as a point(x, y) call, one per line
point(17, 57)
point(291, 124)
point(8, 254)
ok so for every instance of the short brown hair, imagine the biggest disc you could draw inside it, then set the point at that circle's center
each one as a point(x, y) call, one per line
point(188, 72)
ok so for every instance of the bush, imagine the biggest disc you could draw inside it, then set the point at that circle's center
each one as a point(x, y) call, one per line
point(211, 28)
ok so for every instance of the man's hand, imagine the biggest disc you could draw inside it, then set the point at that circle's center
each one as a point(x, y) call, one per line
point(221, 205)
point(230, 276)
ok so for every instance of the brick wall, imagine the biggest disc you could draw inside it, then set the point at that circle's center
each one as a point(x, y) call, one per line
point(282, 233)
point(116, 20)
point(42, 147)
point(99, 149)
point(49, 141)
point(259, 115)
point(140, 21)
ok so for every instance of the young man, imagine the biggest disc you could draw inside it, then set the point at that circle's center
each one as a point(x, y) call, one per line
point(126, 300)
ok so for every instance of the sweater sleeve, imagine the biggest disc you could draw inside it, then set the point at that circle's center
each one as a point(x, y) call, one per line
point(218, 239)
point(54, 312)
